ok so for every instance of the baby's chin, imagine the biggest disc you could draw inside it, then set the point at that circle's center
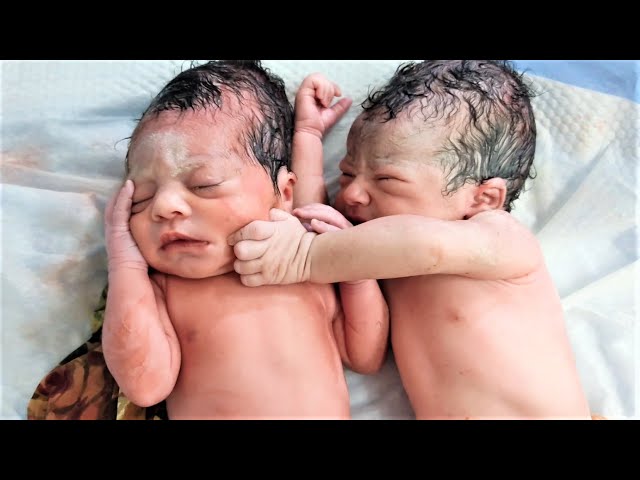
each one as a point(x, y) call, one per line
point(197, 271)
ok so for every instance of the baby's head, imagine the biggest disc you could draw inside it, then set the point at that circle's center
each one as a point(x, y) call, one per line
point(241, 88)
point(210, 154)
point(463, 130)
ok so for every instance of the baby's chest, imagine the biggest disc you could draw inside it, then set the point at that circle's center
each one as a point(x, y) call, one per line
point(226, 306)
point(445, 297)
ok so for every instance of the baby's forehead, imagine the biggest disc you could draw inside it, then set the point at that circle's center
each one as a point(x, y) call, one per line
point(183, 137)
point(400, 134)
point(232, 117)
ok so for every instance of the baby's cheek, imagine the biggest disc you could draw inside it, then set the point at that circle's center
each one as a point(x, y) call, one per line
point(339, 203)
point(136, 230)
point(139, 232)
point(240, 212)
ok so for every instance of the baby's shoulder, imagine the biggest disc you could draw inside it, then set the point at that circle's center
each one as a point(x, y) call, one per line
point(501, 221)
point(497, 217)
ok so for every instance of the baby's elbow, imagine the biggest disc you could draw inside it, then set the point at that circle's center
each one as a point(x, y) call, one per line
point(369, 368)
point(146, 397)
point(147, 388)
point(369, 365)
point(366, 338)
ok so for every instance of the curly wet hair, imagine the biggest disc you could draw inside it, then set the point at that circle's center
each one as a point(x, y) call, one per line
point(488, 105)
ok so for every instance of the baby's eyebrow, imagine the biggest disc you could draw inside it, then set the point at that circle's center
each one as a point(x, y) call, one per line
point(187, 167)
point(378, 162)
point(387, 160)
point(135, 171)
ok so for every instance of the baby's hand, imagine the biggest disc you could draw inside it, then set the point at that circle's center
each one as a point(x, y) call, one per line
point(313, 113)
point(321, 218)
point(121, 247)
point(272, 252)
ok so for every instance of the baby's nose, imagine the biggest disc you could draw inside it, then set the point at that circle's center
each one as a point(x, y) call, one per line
point(355, 194)
point(170, 203)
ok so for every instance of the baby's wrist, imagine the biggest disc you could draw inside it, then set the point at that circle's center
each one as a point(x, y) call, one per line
point(120, 265)
point(301, 130)
point(306, 255)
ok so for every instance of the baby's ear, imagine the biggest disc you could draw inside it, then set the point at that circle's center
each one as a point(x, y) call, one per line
point(286, 180)
point(489, 195)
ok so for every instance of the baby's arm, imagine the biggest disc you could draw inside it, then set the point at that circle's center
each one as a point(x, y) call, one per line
point(140, 346)
point(490, 245)
point(361, 326)
point(313, 117)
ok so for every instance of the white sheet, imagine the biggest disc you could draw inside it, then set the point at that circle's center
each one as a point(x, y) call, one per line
point(64, 126)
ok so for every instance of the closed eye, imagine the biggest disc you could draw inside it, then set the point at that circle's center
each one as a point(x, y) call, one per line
point(140, 205)
point(205, 187)
point(384, 176)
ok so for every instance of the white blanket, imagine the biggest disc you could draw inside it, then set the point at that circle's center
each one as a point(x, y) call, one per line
point(64, 130)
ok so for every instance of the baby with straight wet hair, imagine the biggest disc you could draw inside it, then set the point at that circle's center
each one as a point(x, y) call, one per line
point(210, 154)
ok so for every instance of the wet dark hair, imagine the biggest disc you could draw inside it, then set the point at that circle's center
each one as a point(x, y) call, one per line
point(269, 134)
point(496, 130)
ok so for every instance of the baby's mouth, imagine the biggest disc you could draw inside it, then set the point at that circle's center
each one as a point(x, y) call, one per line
point(178, 239)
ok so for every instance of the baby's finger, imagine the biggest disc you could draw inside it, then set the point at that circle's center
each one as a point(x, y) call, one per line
point(250, 249)
point(322, 227)
point(331, 115)
point(122, 206)
point(248, 267)
point(324, 92)
point(311, 210)
point(323, 213)
point(256, 230)
point(336, 90)
point(108, 210)
point(323, 95)
point(253, 280)
point(342, 106)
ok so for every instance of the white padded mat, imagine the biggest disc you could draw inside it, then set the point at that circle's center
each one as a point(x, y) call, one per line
point(64, 129)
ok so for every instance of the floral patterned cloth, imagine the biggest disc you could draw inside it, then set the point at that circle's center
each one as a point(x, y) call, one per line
point(82, 388)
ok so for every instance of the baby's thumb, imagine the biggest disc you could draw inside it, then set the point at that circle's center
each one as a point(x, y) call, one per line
point(277, 214)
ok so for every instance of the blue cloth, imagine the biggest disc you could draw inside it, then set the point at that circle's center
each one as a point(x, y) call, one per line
point(615, 77)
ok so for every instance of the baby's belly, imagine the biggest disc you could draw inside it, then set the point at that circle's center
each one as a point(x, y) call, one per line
point(279, 361)
point(468, 352)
